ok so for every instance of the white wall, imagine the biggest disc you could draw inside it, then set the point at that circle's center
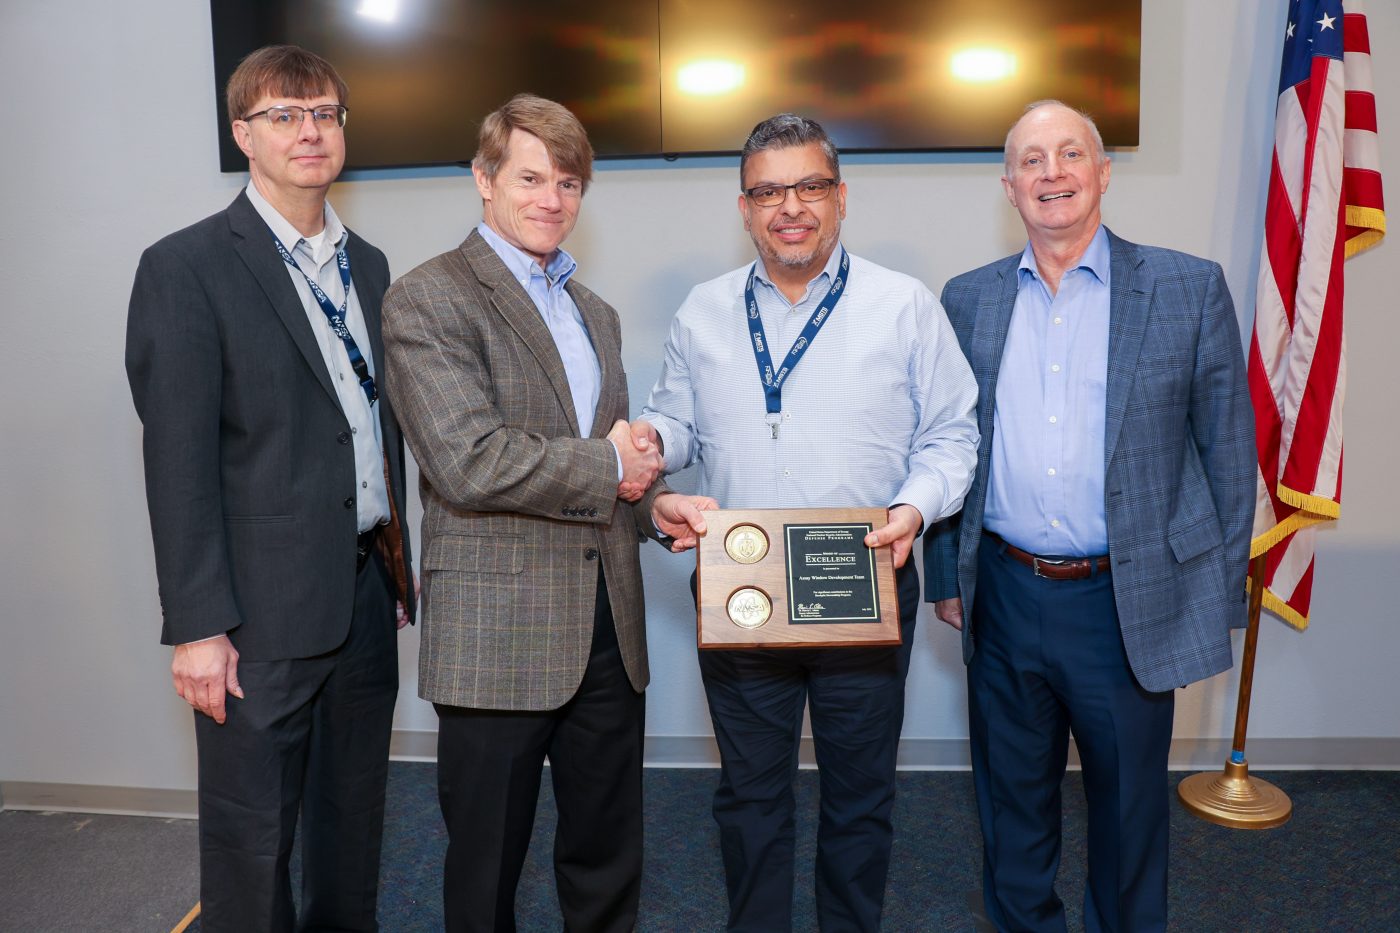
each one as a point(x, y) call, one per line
point(109, 127)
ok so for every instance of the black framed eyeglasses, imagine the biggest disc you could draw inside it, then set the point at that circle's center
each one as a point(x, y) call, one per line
point(809, 189)
point(289, 118)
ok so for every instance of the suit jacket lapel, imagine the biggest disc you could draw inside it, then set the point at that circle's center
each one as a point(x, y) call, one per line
point(1130, 293)
point(989, 337)
point(595, 319)
point(258, 253)
point(514, 304)
point(985, 348)
point(369, 294)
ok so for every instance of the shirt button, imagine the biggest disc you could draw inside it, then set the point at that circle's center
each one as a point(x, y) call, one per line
point(1055, 367)
point(1054, 523)
point(1050, 472)
point(340, 376)
point(787, 417)
point(787, 472)
point(1053, 419)
point(1059, 320)
point(364, 485)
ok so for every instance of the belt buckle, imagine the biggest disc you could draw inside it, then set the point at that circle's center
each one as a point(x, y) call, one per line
point(1037, 561)
point(364, 544)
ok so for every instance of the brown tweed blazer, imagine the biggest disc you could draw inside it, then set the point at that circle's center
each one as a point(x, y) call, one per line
point(517, 508)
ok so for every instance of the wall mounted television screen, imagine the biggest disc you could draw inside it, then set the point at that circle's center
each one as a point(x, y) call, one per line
point(692, 77)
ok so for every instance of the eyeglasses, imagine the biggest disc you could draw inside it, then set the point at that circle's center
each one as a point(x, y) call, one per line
point(288, 119)
point(809, 189)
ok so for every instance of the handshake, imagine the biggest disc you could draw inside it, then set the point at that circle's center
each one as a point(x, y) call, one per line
point(639, 449)
point(677, 517)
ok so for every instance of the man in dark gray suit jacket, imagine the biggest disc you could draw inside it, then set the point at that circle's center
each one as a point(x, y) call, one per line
point(1099, 560)
point(508, 376)
point(275, 481)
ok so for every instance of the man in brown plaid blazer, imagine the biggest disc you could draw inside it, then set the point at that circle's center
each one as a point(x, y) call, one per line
point(509, 377)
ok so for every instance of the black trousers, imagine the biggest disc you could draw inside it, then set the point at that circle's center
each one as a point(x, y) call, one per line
point(1050, 662)
point(489, 768)
point(856, 699)
point(310, 737)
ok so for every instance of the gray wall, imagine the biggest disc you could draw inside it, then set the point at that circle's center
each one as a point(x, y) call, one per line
point(108, 119)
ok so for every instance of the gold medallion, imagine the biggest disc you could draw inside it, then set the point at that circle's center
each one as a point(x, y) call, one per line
point(746, 544)
point(750, 607)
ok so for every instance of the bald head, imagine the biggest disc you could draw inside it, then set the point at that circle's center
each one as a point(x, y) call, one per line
point(1091, 129)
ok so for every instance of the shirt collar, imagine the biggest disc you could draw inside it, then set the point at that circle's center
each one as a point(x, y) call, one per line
point(522, 266)
point(1095, 258)
point(833, 264)
point(288, 234)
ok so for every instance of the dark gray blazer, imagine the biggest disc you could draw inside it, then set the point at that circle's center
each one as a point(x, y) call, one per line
point(1179, 458)
point(250, 473)
point(518, 510)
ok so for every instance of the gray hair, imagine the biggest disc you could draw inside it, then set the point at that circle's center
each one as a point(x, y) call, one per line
point(1099, 152)
point(785, 131)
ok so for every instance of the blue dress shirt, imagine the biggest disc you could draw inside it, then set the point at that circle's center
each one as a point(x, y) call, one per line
point(546, 289)
point(1045, 486)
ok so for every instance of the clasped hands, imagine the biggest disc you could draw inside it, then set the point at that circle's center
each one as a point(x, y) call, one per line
point(675, 515)
point(639, 448)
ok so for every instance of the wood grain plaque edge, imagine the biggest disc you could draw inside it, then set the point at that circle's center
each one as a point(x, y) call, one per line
point(715, 631)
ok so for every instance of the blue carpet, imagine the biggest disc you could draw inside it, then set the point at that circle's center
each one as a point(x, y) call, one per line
point(1335, 866)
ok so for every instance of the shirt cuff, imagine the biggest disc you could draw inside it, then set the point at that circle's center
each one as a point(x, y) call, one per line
point(670, 446)
point(926, 493)
point(923, 518)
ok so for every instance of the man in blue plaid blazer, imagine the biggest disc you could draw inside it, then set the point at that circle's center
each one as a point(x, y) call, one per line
point(1099, 559)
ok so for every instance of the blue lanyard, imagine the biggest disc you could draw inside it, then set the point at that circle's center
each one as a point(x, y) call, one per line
point(336, 316)
point(773, 381)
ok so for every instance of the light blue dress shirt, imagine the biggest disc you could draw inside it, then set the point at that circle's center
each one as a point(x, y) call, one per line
point(315, 256)
point(546, 289)
point(1045, 488)
point(880, 410)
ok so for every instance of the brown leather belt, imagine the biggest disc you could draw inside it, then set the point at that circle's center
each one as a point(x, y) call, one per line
point(1068, 568)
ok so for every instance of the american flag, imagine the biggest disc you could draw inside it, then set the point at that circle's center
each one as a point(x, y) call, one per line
point(1324, 206)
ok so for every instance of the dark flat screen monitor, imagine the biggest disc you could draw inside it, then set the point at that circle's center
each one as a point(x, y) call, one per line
point(692, 77)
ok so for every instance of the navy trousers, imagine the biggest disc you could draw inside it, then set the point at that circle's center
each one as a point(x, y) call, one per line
point(1050, 662)
point(856, 698)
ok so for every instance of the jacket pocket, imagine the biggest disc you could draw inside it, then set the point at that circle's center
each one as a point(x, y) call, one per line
point(1196, 539)
point(476, 554)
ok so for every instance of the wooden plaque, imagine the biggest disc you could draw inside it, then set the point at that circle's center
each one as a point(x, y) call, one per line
point(794, 578)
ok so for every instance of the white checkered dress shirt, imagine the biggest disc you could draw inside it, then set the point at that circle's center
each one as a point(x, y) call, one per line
point(880, 410)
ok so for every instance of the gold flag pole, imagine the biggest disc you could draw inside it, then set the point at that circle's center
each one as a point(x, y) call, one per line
point(1233, 798)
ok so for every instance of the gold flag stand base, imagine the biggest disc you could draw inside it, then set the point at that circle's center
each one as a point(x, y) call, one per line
point(1235, 799)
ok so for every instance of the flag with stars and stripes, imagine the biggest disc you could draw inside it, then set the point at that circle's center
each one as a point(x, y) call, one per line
point(1324, 206)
